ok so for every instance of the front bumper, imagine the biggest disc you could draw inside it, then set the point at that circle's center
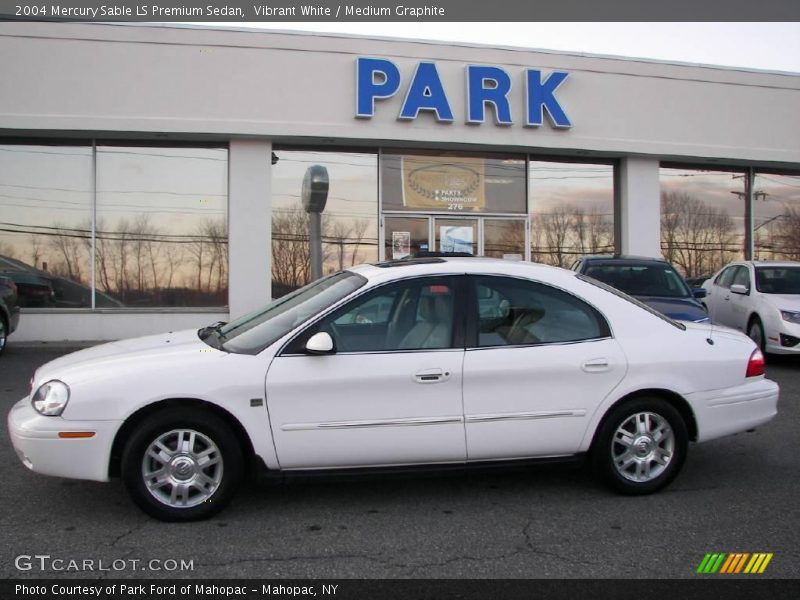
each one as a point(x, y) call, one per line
point(39, 447)
point(735, 409)
point(784, 340)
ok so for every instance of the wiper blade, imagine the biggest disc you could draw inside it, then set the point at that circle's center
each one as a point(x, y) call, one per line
point(204, 332)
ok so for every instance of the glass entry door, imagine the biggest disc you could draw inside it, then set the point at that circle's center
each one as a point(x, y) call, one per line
point(498, 237)
point(456, 235)
point(405, 236)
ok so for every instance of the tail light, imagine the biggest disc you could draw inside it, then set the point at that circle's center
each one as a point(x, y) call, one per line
point(756, 365)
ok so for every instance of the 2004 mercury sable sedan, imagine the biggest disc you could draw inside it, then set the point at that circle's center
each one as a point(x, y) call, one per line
point(416, 362)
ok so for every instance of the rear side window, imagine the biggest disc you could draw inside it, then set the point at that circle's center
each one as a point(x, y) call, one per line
point(514, 312)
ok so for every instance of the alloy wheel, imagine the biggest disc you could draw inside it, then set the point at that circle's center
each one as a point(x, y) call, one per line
point(642, 447)
point(182, 468)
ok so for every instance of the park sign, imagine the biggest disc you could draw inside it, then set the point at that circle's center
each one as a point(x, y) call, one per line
point(486, 87)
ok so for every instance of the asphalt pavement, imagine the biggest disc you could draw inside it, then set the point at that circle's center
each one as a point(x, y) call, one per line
point(738, 494)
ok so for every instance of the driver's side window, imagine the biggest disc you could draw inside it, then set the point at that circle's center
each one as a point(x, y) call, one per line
point(416, 314)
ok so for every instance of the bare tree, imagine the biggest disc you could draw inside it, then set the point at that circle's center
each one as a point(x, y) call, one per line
point(340, 231)
point(783, 235)
point(358, 232)
point(696, 237)
point(36, 245)
point(291, 257)
point(67, 246)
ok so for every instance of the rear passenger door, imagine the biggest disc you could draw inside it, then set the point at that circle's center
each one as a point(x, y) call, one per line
point(538, 363)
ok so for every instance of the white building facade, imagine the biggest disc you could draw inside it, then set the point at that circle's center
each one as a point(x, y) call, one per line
point(151, 177)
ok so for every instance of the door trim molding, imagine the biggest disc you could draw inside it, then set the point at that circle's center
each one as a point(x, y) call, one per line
point(409, 422)
point(524, 416)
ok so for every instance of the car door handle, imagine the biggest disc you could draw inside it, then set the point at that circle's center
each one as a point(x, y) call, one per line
point(431, 376)
point(596, 365)
point(728, 297)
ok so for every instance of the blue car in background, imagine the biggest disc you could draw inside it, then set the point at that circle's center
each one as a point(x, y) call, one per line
point(650, 280)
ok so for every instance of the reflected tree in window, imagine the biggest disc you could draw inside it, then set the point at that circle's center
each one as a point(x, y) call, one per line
point(702, 219)
point(695, 237)
point(776, 216)
point(349, 221)
point(572, 211)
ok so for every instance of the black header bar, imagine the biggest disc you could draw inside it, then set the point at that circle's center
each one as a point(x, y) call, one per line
point(277, 11)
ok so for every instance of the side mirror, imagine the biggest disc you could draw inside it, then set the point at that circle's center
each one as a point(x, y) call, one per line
point(699, 293)
point(738, 288)
point(320, 343)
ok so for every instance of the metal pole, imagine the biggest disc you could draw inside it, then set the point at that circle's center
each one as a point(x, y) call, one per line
point(315, 229)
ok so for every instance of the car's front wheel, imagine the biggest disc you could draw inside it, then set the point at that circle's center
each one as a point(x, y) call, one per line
point(641, 446)
point(755, 332)
point(182, 465)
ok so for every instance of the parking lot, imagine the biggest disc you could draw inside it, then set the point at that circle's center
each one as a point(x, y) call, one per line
point(738, 494)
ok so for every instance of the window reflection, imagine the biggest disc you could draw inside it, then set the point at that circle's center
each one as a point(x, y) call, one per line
point(46, 223)
point(702, 219)
point(776, 216)
point(162, 234)
point(349, 220)
point(572, 210)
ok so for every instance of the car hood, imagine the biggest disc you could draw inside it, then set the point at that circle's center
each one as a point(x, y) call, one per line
point(680, 309)
point(136, 352)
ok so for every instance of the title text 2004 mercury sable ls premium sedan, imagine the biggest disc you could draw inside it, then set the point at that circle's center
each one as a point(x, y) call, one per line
point(415, 362)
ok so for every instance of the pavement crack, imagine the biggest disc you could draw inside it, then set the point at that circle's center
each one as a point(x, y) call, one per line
point(127, 533)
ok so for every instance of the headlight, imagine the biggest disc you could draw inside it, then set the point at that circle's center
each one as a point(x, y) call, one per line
point(791, 316)
point(51, 398)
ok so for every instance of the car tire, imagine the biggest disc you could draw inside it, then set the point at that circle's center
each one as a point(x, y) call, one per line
point(755, 331)
point(641, 446)
point(3, 334)
point(182, 465)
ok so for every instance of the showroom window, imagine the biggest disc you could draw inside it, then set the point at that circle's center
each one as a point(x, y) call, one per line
point(776, 216)
point(46, 195)
point(349, 217)
point(702, 219)
point(115, 227)
point(572, 210)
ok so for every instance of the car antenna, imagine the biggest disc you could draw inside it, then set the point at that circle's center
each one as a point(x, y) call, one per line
point(710, 338)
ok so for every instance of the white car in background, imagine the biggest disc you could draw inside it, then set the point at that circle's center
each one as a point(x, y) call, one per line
point(426, 362)
point(761, 299)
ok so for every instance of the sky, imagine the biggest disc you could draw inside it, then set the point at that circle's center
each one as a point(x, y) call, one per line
point(770, 46)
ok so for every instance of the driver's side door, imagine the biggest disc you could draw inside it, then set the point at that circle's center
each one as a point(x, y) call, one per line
point(390, 393)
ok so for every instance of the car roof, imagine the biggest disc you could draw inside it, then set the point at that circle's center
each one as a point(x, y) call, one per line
point(774, 263)
point(623, 259)
point(414, 267)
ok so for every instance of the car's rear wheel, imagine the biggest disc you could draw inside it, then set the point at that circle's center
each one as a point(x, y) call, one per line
point(182, 465)
point(641, 446)
point(755, 331)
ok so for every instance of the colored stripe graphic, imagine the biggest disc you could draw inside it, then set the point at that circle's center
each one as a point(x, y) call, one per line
point(711, 563)
point(732, 558)
point(734, 562)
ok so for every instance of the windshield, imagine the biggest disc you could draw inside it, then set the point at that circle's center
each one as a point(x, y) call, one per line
point(778, 280)
point(253, 332)
point(654, 279)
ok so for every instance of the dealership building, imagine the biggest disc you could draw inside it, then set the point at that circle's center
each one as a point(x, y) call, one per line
point(152, 177)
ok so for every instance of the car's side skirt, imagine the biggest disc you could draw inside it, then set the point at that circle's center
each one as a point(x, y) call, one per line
point(402, 471)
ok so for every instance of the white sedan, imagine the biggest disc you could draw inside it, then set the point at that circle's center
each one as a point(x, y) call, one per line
point(761, 299)
point(427, 362)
